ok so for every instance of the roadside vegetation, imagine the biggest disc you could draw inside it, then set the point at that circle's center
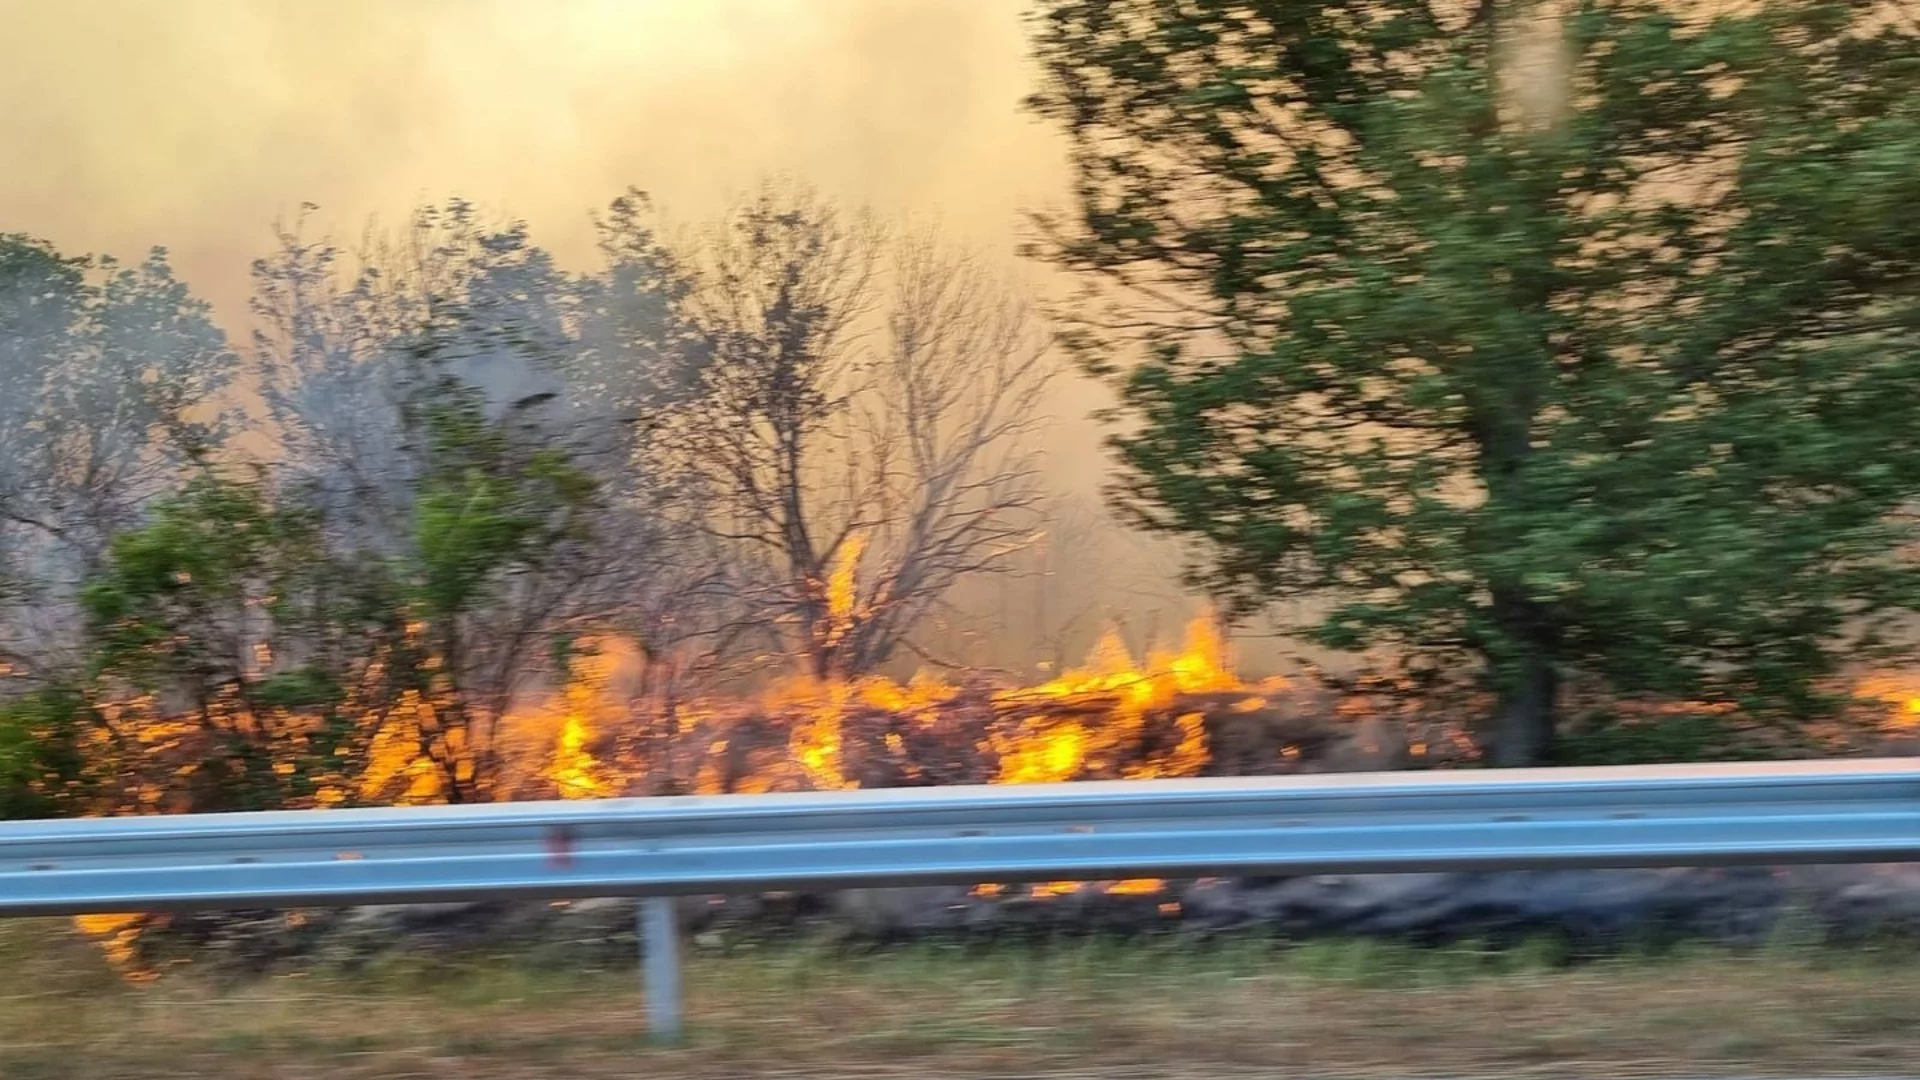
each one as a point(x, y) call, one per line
point(1068, 1007)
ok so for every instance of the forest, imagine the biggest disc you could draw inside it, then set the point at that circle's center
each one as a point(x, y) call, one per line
point(1561, 360)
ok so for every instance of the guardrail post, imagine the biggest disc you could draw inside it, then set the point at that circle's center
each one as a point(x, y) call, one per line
point(660, 966)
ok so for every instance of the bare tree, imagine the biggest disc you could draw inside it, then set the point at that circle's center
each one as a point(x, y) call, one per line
point(344, 342)
point(860, 442)
point(329, 377)
point(114, 377)
point(955, 402)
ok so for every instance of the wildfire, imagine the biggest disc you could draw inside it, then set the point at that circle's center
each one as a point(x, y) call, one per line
point(583, 704)
point(816, 739)
point(1044, 750)
point(395, 764)
point(116, 936)
point(574, 772)
point(1902, 693)
point(1093, 719)
point(843, 586)
point(1111, 716)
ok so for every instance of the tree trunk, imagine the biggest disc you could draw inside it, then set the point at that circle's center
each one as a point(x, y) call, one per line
point(1523, 731)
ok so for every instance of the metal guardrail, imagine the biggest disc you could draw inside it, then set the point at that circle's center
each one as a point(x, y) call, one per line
point(1795, 812)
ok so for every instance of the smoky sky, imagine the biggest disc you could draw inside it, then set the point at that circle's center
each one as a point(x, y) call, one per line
point(196, 124)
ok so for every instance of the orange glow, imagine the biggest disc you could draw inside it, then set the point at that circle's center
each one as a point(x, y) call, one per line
point(395, 763)
point(843, 587)
point(582, 709)
point(116, 935)
point(1902, 692)
point(1090, 720)
point(1047, 750)
point(816, 738)
point(1111, 716)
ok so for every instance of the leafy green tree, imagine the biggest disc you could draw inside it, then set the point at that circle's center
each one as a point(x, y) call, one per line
point(240, 637)
point(471, 416)
point(234, 644)
point(503, 532)
point(1554, 338)
point(45, 769)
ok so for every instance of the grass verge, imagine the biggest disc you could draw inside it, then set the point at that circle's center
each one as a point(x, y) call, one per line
point(1085, 1007)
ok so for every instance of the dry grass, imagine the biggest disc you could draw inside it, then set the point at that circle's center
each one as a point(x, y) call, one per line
point(1098, 1009)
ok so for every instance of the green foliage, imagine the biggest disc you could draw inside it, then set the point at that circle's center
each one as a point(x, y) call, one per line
point(257, 636)
point(102, 363)
point(192, 611)
point(1610, 372)
point(498, 507)
point(44, 770)
point(1688, 737)
point(493, 496)
point(214, 552)
point(471, 526)
point(233, 609)
point(300, 688)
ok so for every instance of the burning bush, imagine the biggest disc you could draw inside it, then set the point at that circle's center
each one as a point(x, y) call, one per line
point(1183, 712)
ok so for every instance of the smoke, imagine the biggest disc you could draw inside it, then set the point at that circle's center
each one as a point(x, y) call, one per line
point(195, 124)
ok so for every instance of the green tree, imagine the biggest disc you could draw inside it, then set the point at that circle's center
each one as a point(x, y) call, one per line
point(469, 417)
point(502, 540)
point(1560, 338)
point(281, 665)
point(45, 770)
point(238, 649)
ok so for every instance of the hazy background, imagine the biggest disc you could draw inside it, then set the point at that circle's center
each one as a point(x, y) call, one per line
point(195, 124)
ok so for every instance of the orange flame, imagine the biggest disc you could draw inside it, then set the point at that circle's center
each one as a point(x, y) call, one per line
point(1901, 692)
point(843, 586)
point(1048, 751)
point(583, 704)
point(1040, 745)
point(1120, 695)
